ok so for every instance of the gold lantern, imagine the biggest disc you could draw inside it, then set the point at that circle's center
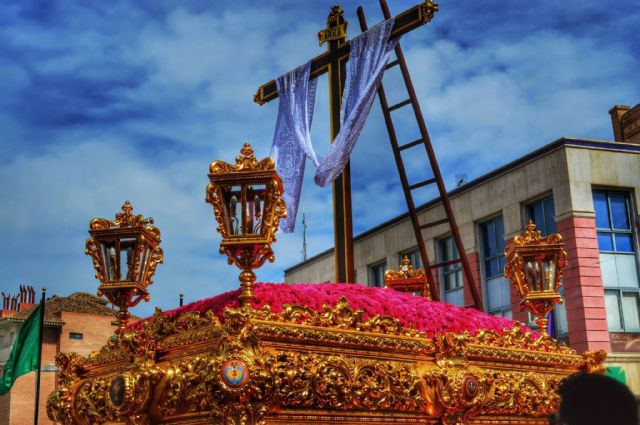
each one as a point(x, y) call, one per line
point(534, 266)
point(247, 205)
point(125, 254)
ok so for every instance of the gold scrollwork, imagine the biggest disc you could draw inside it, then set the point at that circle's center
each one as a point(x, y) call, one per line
point(311, 380)
point(459, 392)
point(340, 316)
point(121, 397)
point(523, 393)
point(60, 400)
point(125, 219)
point(90, 404)
point(464, 393)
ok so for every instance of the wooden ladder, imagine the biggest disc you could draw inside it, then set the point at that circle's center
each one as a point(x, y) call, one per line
point(424, 141)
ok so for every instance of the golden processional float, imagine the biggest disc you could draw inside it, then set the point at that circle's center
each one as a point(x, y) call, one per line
point(307, 353)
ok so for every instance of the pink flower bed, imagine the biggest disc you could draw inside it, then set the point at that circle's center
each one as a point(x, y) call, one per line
point(431, 317)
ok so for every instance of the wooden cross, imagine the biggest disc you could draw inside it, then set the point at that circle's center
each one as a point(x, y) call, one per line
point(333, 62)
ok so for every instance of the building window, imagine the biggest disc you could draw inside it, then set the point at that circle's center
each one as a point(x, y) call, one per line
point(376, 274)
point(75, 335)
point(496, 285)
point(542, 213)
point(618, 261)
point(451, 275)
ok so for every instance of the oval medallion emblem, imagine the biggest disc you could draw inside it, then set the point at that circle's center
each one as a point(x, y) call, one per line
point(116, 391)
point(234, 373)
point(470, 387)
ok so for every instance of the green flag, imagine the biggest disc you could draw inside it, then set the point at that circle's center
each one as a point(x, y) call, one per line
point(24, 354)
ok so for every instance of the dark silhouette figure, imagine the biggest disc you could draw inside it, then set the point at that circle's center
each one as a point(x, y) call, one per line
point(592, 399)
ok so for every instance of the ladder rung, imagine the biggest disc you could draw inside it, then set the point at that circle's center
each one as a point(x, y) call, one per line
point(424, 183)
point(445, 263)
point(410, 145)
point(391, 64)
point(399, 105)
point(434, 223)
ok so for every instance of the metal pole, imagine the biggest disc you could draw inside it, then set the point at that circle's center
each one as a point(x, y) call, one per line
point(304, 237)
point(38, 371)
point(181, 299)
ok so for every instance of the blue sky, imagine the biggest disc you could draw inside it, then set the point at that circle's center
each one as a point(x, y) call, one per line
point(106, 101)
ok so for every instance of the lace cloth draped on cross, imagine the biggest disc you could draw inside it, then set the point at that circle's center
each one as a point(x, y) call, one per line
point(292, 139)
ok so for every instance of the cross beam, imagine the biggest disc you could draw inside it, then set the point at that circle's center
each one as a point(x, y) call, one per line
point(333, 62)
point(405, 22)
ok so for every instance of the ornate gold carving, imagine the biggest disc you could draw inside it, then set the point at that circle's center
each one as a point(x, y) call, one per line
point(408, 279)
point(91, 249)
point(593, 361)
point(199, 384)
point(427, 10)
point(90, 402)
point(122, 398)
point(187, 387)
point(522, 393)
point(124, 219)
point(459, 393)
point(517, 337)
point(406, 271)
point(313, 381)
point(326, 338)
point(464, 393)
point(340, 316)
point(336, 26)
point(451, 349)
point(307, 362)
point(60, 400)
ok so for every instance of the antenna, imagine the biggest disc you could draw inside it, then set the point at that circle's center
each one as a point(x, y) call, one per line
point(304, 236)
point(461, 178)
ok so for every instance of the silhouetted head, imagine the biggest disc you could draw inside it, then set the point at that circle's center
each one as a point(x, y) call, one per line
point(592, 399)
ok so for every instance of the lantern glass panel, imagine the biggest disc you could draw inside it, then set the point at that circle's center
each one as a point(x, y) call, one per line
point(533, 274)
point(127, 258)
point(254, 208)
point(550, 273)
point(540, 273)
point(144, 261)
point(110, 260)
point(232, 196)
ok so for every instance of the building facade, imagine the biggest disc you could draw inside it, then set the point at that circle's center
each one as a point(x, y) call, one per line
point(78, 323)
point(586, 190)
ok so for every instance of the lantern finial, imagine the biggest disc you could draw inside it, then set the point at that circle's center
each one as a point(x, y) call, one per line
point(125, 254)
point(247, 204)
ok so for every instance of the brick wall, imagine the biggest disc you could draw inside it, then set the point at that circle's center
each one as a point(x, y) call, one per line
point(22, 396)
point(474, 263)
point(435, 278)
point(4, 409)
point(584, 293)
point(95, 331)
